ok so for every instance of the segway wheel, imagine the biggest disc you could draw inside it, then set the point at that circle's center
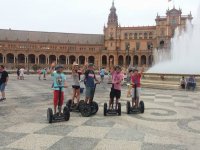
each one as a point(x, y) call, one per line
point(66, 113)
point(68, 104)
point(119, 109)
point(49, 115)
point(81, 105)
point(141, 106)
point(105, 109)
point(128, 106)
point(86, 110)
point(95, 107)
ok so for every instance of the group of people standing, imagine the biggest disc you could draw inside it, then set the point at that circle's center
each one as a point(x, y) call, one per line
point(188, 83)
point(20, 73)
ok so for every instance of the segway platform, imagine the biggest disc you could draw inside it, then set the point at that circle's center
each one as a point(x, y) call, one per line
point(62, 116)
point(89, 109)
point(131, 109)
point(74, 107)
point(112, 111)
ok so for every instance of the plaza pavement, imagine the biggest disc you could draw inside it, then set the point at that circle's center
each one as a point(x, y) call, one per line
point(171, 121)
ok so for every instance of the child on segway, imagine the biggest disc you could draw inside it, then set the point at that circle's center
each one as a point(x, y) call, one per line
point(115, 92)
point(59, 79)
point(89, 81)
point(135, 81)
point(76, 84)
point(90, 107)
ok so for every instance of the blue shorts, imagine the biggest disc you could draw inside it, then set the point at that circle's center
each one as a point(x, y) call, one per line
point(89, 92)
point(2, 87)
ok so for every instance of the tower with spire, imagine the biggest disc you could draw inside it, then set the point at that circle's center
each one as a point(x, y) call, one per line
point(113, 18)
point(110, 31)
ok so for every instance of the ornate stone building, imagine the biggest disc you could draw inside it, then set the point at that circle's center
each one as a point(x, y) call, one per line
point(134, 45)
point(118, 45)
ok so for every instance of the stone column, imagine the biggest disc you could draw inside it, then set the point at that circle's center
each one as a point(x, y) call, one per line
point(4, 59)
point(77, 60)
point(139, 61)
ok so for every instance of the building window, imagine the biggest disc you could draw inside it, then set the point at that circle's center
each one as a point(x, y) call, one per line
point(140, 35)
point(125, 36)
point(111, 44)
point(135, 36)
point(149, 45)
point(137, 45)
point(130, 36)
point(145, 35)
point(150, 35)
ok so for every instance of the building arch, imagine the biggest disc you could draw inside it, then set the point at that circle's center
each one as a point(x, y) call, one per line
point(135, 60)
point(121, 60)
point(91, 59)
point(42, 59)
point(21, 58)
point(111, 60)
point(10, 58)
point(128, 60)
point(81, 60)
point(143, 60)
point(31, 58)
point(52, 58)
point(72, 59)
point(150, 60)
point(104, 60)
point(1, 58)
point(62, 59)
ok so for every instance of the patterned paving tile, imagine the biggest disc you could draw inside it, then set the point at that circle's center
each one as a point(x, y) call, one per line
point(129, 134)
point(89, 132)
point(150, 146)
point(75, 143)
point(56, 129)
point(8, 137)
point(108, 144)
point(99, 122)
point(26, 127)
point(35, 142)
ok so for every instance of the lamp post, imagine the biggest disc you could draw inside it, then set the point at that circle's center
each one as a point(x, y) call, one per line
point(127, 50)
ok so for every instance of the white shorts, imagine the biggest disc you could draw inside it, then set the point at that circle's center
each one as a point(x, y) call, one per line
point(138, 92)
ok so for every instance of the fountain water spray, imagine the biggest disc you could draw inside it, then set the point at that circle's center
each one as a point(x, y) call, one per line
point(184, 56)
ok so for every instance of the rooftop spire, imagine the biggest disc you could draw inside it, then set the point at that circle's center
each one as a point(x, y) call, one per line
point(112, 18)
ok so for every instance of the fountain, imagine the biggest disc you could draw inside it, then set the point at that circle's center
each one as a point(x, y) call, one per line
point(181, 60)
point(184, 56)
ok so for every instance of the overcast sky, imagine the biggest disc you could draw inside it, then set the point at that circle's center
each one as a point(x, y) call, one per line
point(83, 16)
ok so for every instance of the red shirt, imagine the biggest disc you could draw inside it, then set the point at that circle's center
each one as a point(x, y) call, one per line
point(136, 79)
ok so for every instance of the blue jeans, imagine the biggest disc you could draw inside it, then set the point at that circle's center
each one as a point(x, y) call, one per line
point(2, 87)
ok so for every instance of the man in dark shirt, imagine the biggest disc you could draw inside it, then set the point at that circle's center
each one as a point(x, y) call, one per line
point(3, 81)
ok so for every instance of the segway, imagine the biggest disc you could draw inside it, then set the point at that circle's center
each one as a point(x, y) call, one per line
point(132, 109)
point(112, 111)
point(75, 107)
point(91, 108)
point(63, 116)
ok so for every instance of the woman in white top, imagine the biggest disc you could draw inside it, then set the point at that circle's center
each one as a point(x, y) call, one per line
point(76, 83)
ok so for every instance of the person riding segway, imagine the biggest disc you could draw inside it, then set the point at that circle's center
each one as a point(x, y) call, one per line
point(90, 107)
point(59, 83)
point(71, 103)
point(117, 78)
point(137, 105)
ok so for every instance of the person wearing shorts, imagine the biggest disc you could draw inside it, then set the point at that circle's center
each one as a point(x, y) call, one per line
point(59, 79)
point(3, 81)
point(102, 74)
point(76, 84)
point(115, 92)
point(136, 79)
point(89, 81)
